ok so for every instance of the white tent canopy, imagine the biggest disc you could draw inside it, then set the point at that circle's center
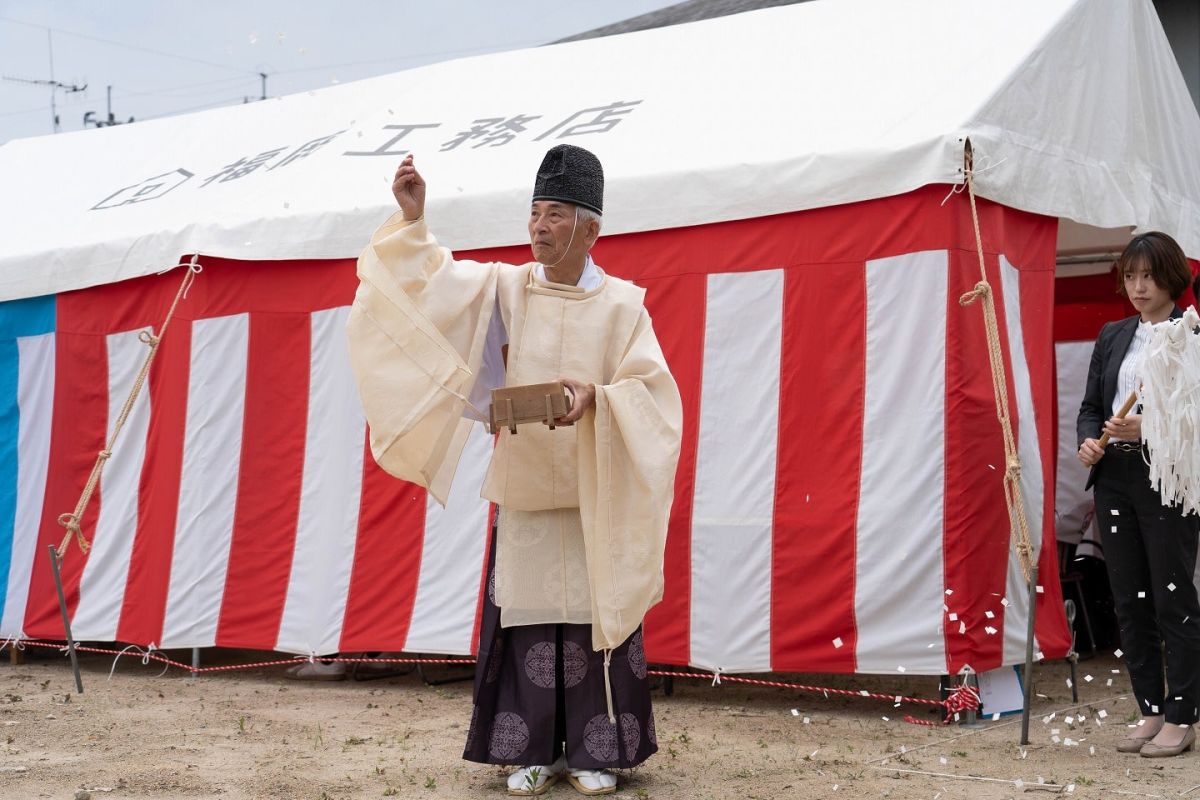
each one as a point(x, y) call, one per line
point(1077, 107)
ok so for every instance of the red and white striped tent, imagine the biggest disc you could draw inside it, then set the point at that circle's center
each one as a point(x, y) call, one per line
point(777, 180)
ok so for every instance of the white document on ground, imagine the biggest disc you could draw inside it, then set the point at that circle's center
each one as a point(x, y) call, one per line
point(1000, 691)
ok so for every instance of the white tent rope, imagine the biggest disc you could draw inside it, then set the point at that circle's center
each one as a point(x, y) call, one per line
point(73, 521)
point(1014, 500)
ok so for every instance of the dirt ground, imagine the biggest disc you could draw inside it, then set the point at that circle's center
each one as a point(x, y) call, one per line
point(253, 734)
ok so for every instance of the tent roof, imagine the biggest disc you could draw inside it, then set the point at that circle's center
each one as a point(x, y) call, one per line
point(687, 11)
point(1077, 106)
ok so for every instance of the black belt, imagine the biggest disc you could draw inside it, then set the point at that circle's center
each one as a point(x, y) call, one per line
point(1126, 447)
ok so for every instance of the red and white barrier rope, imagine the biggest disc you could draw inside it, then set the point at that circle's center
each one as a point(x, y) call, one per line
point(963, 698)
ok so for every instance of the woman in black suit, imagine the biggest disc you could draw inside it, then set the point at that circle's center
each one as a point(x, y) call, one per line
point(1149, 549)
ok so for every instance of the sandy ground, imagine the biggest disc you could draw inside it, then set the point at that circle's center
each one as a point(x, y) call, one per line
point(254, 734)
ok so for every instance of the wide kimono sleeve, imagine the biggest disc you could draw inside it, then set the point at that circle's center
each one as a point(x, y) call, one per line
point(416, 335)
point(627, 460)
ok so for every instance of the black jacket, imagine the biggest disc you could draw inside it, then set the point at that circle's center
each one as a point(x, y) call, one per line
point(1097, 403)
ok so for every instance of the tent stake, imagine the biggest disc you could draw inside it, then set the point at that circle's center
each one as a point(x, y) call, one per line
point(1028, 676)
point(62, 606)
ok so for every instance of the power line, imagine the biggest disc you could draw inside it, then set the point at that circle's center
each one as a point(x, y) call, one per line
point(229, 101)
point(220, 85)
point(410, 57)
point(128, 46)
point(23, 111)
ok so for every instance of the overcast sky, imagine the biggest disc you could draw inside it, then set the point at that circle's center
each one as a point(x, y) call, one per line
point(169, 57)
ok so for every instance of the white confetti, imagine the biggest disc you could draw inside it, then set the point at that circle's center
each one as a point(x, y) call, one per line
point(989, 615)
point(900, 669)
point(1041, 589)
point(837, 642)
point(1102, 713)
point(953, 617)
point(949, 592)
point(1004, 602)
point(1114, 528)
point(1118, 653)
point(795, 712)
point(1088, 678)
point(989, 630)
point(1115, 513)
point(1141, 595)
point(1171, 587)
point(807, 720)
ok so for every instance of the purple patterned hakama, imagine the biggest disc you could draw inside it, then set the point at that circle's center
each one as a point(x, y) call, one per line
point(540, 687)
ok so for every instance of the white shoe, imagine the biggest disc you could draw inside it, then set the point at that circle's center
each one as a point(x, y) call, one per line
point(530, 781)
point(592, 781)
point(316, 671)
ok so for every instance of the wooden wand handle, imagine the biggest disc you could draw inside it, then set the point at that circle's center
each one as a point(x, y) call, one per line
point(1129, 401)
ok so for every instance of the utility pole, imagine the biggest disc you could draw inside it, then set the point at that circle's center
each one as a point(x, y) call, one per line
point(263, 77)
point(55, 86)
point(89, 117)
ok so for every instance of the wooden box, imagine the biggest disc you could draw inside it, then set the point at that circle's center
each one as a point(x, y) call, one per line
point(519, 405)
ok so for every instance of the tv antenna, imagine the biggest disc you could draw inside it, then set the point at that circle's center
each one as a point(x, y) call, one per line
point(55, 88)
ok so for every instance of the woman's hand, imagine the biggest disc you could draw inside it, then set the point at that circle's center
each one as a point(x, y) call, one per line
point(1090, 452)
point(1129, 429)
point(583, 397)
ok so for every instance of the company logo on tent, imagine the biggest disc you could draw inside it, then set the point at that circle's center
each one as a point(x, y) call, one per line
point(149, 189)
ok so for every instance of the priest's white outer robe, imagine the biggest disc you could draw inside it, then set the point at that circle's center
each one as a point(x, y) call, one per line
point(584, 508)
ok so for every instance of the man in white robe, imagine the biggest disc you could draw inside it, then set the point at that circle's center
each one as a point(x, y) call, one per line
point(582, 509)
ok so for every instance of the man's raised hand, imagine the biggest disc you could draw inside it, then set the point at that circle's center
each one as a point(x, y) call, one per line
point(408, 187)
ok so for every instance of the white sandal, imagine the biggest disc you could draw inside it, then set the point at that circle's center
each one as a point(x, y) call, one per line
point(531, 781)
point(592, 782)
